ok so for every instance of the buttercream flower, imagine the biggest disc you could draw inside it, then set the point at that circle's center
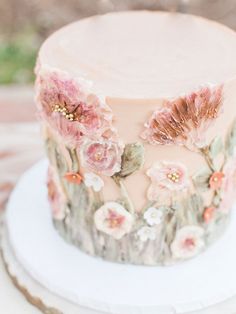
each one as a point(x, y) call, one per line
point(216, 180)
point(69, 107)
point(208, 214)
point(94, 181)
point(228, 186)
point(146, 233)
point(103, 157)
point(72, 135)
point(56, 195)
point(188, 242)
point(153, 216)
point(113, 219)
point(73, 177)
point(185, 120)
point(167, 176)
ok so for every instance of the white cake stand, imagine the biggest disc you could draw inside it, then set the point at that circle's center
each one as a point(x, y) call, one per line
point(80, 280)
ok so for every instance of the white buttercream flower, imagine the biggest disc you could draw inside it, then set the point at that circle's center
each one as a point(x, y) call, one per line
point(94, 181)
point(188, 242)
point(153, 216)
point(113, 219)
point(146, 233)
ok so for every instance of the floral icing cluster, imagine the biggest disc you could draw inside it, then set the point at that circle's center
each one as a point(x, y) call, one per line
point(81, 119)
point(84, 149)
point(185, 120)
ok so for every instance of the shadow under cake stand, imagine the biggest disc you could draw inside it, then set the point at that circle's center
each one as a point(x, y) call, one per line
point(58, 278)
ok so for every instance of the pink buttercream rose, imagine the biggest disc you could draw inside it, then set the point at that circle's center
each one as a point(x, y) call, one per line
point(103, 157)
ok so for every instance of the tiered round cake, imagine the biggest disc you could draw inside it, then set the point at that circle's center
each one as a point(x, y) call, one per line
point(138, 117)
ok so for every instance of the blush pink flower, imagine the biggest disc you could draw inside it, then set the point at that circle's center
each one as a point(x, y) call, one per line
point(56, 196)
point(72, 136)
point(103, 157)
point(188, 242)
point(228, 186)
point(167, 176)
point(113, 219)
point(185, 120)
point(70, 108)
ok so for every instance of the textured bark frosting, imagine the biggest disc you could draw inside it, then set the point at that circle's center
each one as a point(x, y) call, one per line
point(144, 181)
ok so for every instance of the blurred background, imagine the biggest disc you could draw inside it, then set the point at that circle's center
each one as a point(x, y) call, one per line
point(24, 24)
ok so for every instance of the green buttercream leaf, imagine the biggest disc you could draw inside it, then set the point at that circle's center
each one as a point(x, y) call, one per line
point(201, 179)
point(197, 202)
point(132, 159)
point(231, 140)
point(216, 200)
point(216, 147)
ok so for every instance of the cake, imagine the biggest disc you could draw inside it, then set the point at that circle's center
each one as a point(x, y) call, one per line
point(138, 118)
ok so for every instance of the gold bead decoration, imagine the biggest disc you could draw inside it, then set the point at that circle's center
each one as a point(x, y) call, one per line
point(174, 177)
point(69, 116)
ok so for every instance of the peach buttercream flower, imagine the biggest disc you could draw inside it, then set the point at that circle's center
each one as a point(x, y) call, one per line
point(216, 180)
point(185, 120)
point(167, 176)
point(113, 219)
point(208, 214)
point(188, 242)
point(73, 177)
point(103, 157)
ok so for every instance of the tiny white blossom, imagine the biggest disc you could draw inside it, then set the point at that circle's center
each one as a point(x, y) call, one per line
point(94, 181)
point(146, 233)
point(153, 216)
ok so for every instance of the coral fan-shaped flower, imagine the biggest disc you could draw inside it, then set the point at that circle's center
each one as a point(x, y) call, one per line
point(103, 157)
point(153, 216)
point(70, 108)
point(188, 242)
point(147, 233)
point(55, 195)
point(185, 120)
point(94, 181)
point(113, 219)
point(167, 176)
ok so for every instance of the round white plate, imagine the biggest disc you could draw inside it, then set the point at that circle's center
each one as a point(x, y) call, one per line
point(105, 286)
